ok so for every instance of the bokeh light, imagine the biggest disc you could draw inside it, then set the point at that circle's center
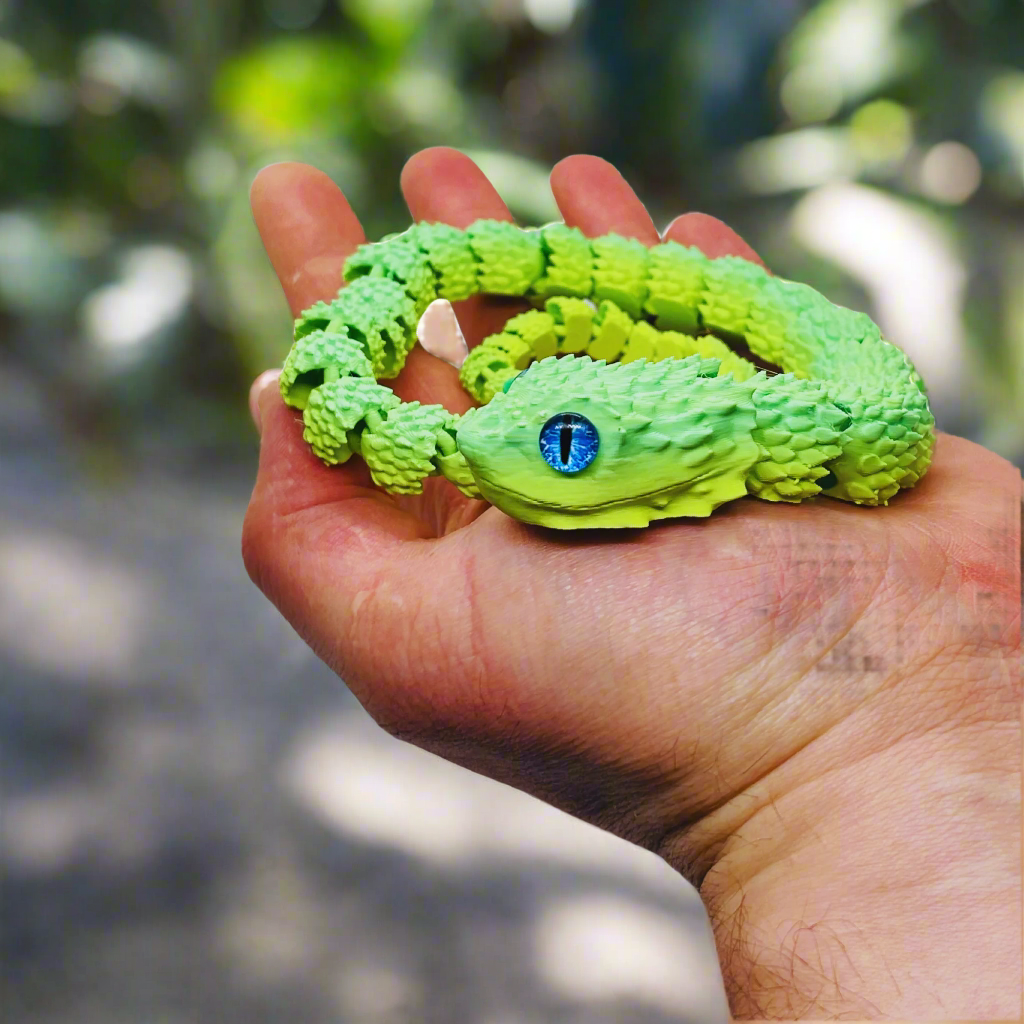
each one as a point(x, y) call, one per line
point(950, 173)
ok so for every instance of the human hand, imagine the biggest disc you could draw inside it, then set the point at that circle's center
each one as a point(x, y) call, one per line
point(812, 711)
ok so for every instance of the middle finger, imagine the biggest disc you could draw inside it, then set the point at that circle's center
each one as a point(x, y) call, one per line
point(595, 198)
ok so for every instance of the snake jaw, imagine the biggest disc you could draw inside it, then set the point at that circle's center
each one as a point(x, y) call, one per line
point(438, 331)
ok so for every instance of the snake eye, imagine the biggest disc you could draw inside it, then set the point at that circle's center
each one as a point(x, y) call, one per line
point(569, 442)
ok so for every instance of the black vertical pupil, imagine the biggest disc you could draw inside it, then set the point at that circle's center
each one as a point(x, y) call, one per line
point(565, 441)
point(568, 442)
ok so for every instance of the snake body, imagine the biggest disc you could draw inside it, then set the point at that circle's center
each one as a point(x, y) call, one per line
point(610, 403)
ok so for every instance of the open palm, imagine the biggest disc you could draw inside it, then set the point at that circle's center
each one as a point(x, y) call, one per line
point(727, 692)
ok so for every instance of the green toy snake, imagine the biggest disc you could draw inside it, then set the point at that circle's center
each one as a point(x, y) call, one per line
point(610, 404)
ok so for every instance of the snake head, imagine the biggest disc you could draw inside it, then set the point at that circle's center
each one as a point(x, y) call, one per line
point(576, 443)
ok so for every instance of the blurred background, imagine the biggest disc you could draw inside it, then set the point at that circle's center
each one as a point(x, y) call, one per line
point(197, 822)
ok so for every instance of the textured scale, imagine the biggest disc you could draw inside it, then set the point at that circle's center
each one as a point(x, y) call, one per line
point(400, 448)
point(569, 262)
point(620, 336)
point(314, 355)
point(336, 409)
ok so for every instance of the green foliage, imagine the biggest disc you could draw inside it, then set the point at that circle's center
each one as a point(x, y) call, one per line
point(291, 88)
point(391, 24)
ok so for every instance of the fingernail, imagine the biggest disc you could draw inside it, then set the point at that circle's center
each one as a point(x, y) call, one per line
point(668, 227)
point(259, 386)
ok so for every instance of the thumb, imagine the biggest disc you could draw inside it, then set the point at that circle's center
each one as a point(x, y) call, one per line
point(262, 384)
point(363, 582)
point(292, 480)
point(318, 539)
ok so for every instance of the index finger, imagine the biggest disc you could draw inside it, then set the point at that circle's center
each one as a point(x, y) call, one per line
point(308, 230)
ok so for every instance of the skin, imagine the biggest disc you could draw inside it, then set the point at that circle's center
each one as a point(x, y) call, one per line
point(812, 712)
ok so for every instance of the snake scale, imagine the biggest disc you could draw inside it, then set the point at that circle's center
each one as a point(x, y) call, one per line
point(614, 401)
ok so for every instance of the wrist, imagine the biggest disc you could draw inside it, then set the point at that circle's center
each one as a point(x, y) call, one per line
point(828, 880)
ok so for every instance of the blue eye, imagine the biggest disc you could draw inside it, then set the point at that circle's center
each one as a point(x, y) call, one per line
point(569, 442)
